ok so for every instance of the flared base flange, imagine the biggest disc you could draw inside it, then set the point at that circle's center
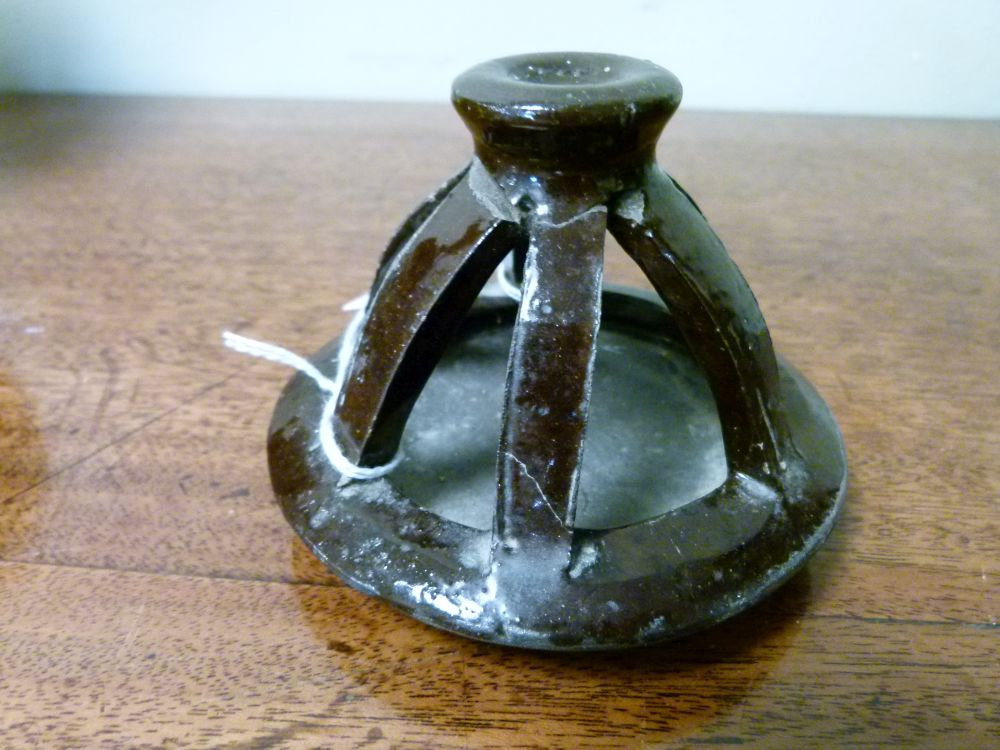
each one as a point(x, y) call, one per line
point(667, 540)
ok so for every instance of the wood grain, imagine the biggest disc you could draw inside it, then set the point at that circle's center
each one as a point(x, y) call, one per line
point(152, 594)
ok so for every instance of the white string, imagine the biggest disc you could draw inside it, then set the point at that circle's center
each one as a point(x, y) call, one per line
point(501, 283)
point(344, 466)
point(273, 353)
point(505, 277)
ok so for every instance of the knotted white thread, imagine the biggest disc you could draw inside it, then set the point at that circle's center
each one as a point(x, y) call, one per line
point(345, 467)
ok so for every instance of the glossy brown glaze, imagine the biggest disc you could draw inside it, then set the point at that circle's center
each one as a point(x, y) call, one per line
point(565, 147)
point(422, 288)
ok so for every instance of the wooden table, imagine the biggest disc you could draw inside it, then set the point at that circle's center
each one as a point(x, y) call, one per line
point(153, 596)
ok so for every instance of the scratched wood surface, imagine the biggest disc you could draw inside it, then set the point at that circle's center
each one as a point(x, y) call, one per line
point(151, 594)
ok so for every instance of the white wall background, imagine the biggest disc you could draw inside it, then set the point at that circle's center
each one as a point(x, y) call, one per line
point(882, 57)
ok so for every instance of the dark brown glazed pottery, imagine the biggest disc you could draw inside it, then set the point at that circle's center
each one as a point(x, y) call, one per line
point(585, 467)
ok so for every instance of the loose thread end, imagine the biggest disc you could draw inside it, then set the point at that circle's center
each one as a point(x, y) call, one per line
point(263, 350)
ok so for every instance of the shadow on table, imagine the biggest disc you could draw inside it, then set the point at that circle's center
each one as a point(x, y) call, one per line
point(453, 687)
point(23, 463)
